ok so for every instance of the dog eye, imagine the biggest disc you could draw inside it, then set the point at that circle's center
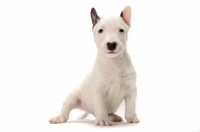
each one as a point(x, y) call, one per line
point(121, 30)
point(100, 30)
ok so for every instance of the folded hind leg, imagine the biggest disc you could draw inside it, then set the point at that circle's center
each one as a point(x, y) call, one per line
point(114, 118)
point(71, 102)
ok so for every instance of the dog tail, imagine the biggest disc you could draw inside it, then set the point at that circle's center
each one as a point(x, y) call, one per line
point(84, 115)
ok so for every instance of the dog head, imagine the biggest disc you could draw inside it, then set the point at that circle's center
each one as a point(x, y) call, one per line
point(110, 33)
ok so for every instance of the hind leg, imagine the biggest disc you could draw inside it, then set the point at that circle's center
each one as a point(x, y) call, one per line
point(114, 118)
point(71, 102)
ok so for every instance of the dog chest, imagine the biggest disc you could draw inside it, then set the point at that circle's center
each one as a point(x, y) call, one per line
point(116, 92)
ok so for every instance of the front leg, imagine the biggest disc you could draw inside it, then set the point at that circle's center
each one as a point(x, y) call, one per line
point(130, 102)
point(100, 111)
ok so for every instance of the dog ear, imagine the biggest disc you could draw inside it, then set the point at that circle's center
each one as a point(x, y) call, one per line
point(126, 15)
point(95, 18)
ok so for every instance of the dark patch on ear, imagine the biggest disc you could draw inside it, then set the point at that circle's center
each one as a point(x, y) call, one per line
point(95, 18)
point(121, 14)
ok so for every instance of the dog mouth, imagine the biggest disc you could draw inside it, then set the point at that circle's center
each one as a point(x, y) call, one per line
point(111, 52)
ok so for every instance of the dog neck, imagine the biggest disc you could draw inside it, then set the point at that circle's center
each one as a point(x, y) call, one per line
point(113, 65)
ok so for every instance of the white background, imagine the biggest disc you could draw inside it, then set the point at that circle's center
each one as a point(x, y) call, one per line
point(47, 47)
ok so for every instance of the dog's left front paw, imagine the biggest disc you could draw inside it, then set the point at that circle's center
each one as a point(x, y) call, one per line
point(132, 119)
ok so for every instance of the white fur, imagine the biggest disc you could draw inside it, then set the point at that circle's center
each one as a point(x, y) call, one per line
point(111, 80)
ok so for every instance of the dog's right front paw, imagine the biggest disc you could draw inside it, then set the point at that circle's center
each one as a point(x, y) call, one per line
point(103, 122)
point(58, 119)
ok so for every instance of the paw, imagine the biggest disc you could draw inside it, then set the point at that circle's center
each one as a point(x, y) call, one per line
point(133, 119)
point(58, 119)
point(115, 118)
point(103, 122)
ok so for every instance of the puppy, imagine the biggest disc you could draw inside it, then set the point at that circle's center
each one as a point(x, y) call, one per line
point(112, 79)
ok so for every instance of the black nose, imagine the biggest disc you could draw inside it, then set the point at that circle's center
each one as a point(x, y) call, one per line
point(111, 46)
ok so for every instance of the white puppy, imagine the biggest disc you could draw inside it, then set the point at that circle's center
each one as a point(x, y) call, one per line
point(112, 78)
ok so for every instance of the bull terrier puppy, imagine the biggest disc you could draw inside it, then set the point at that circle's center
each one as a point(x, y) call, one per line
point(112, 79)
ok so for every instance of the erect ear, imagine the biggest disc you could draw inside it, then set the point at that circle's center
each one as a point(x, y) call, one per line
point(126, 15)
point(95, 18)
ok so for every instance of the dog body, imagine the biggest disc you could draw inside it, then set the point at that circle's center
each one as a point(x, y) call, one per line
point(112, 78)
